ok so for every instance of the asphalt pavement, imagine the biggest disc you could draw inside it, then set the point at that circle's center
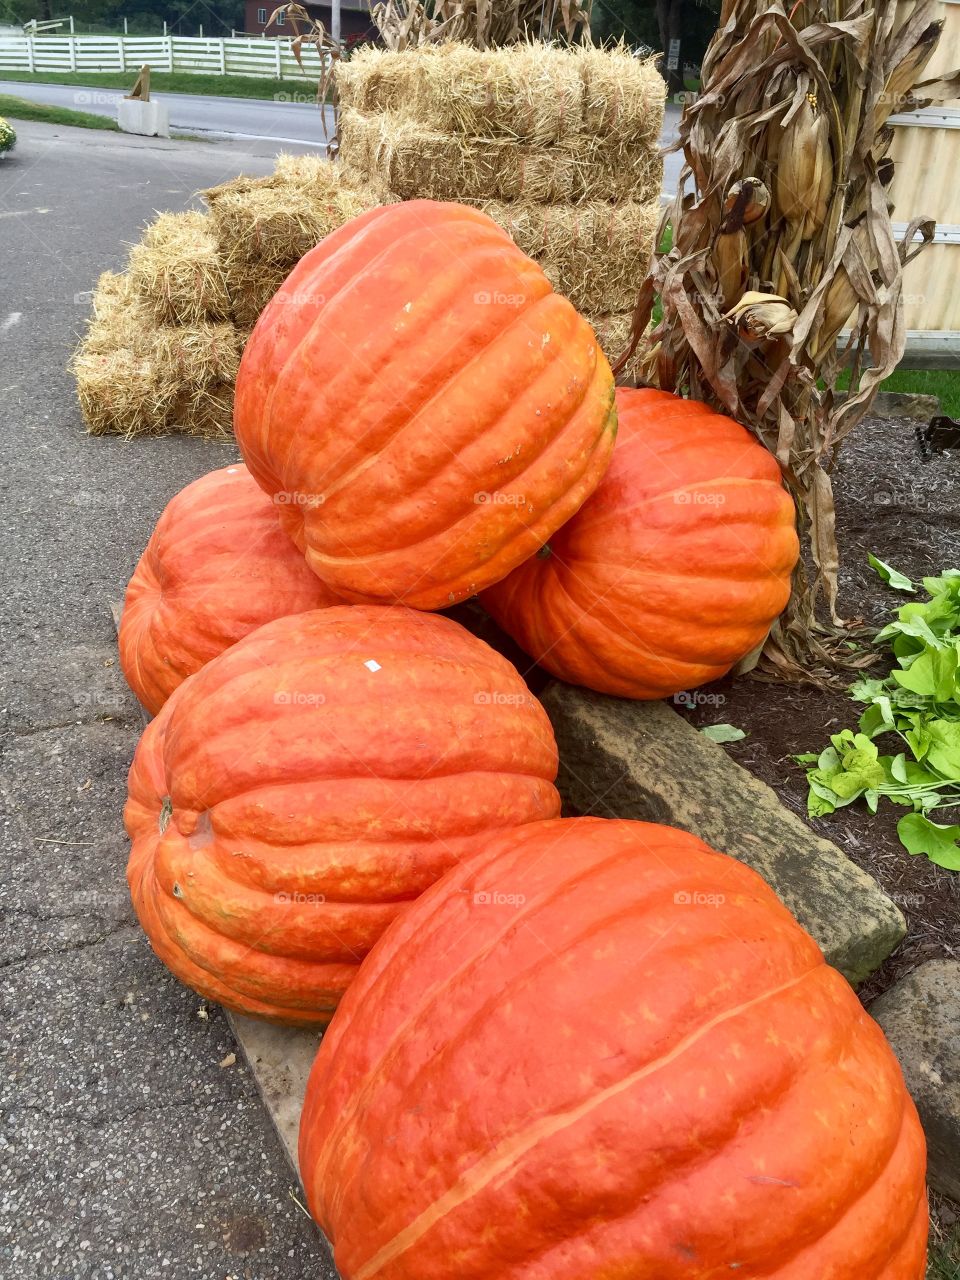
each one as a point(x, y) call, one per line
point(131, 1146)
point(293, 116)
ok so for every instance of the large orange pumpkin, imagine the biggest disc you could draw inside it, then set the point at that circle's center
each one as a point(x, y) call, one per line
point(426, 407)
point(672, 571)
point(300, 790)
point(217, 566)
point(599, 1049)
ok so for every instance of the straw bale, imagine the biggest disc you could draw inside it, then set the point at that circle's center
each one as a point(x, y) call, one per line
point(197, 357)
point(251, 286)
point(177, 272)
point(375, 80)
point(112, 290)
point(624, 96)
point(121, 319)
point(607, 169)
point(314, 173)
point(613, 335)
point(201, 363)
point(210, 415)
point(121, 393)
point(136, 378)
point(277, 219)
point(414, 162)
point(595, 254)
point(529, 91)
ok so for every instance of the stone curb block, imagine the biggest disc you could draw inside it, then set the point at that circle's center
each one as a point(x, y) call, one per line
point(921, 1019)
point(641, 760)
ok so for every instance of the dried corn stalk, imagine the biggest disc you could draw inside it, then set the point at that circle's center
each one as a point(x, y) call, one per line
point(311, 31)
point(782, 240)
point(486, 24)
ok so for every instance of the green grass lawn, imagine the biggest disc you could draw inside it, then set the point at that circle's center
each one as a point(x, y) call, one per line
point(944, 383)
point(20, 109)
point(176, 82)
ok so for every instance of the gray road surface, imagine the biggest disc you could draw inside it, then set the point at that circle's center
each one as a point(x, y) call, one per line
point(673, 160)
point(294, 118)
point(126, 1151)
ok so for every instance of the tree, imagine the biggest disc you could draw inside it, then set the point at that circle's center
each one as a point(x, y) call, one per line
point(670, 26)
point(653, 24)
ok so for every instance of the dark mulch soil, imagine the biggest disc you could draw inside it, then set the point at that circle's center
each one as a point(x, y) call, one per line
point(907, 512)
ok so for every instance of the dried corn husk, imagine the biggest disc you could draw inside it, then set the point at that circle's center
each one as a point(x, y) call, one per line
point(842, 297)
point(897, 91)
point(730, 262)
point(406, 24)
point(747, 201)
point(760, 317)
point(804, 167)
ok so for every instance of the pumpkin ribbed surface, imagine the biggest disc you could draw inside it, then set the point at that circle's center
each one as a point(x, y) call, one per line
point(216, 567)
point(429, 408)
point(673, 570)
point(600, 1051)
point(297, 793)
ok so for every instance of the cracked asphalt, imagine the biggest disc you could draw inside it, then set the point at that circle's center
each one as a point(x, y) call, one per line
point(126, 1150)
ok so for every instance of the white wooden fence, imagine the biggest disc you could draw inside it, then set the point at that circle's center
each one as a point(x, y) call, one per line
point(268, 58)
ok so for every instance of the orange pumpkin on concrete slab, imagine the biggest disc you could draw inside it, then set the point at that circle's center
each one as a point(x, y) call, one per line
point(676, 567)
point(599, 1049)
point(428, 408)
point(296, 794)
point(217, 566)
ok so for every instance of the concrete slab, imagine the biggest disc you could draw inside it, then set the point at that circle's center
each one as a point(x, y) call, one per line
point(280, 1059)
point(149, 119)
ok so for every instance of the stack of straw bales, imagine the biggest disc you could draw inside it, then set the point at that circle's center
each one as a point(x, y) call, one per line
point(162, 348)
point(137, 376)
point(558, 145)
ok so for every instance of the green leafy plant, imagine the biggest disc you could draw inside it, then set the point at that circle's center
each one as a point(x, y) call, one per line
point(723, 733)
point(917, 703)
point(7, 136)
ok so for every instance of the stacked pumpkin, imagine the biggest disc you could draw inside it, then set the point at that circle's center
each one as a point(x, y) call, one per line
point(586, 1075)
